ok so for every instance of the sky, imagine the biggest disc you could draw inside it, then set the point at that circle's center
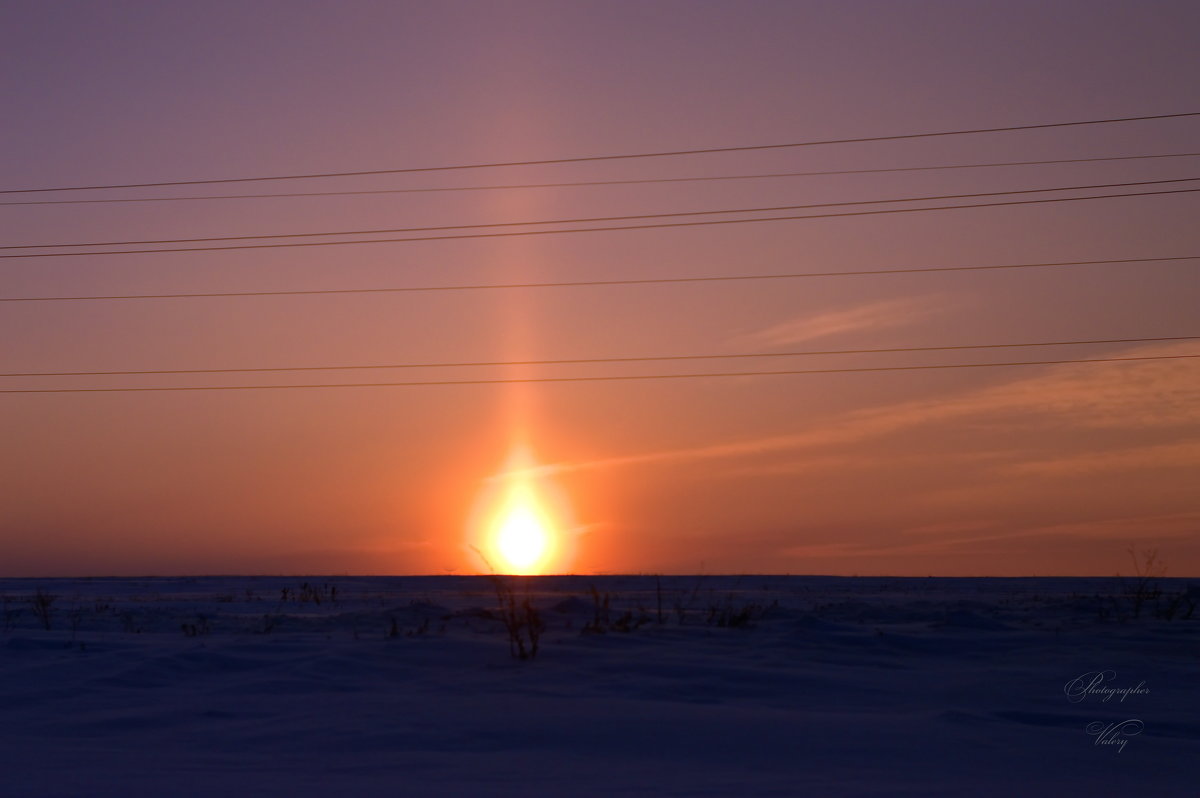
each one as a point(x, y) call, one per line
point(1022, 470)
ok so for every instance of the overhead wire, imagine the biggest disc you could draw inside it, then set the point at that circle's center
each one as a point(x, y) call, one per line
point(610, 228)
point(584, 183)
point(600, 283)
point(594, 219)
point(622, 156)
point(594, 378)
point(596, 360)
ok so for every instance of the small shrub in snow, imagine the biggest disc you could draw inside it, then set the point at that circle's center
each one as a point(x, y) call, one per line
point(75, 617)
point(521, 620)
point(1143, 587)
point(10, 612)
point(269, 622)
point(737, 615)
point(310, 594)
point(43, 607)
point(1144, 591)
point(1182, 605)
point(129, 623)
point(198, 628)
point(603, 621)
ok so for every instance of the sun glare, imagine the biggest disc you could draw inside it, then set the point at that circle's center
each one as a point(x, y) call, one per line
point(522, 535)
point(517, 526)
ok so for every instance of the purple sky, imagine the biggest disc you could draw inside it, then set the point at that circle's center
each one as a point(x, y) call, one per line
point(1053, 469)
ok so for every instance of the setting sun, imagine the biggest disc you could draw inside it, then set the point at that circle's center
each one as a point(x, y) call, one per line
point(523, 535)
point(518, 523)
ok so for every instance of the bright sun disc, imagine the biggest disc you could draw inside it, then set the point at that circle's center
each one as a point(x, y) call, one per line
point(521, 537)
point(517, 526)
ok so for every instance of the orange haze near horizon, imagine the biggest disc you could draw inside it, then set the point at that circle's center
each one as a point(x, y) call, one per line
point(1018, 470)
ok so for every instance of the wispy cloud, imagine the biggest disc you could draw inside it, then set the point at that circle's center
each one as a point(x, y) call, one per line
point(872, 316)
point(1134, 395)
point(942, 528)
point(866, 460)
point(830, 549)
point(1185, 454)
point(1122, 528)
point(716, 451)
point(942, 538)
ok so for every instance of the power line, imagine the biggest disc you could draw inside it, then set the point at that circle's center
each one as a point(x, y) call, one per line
point(580, 183)
point(593, 360)
point(657, 226)
point(594, 219)
point(622, 377)
point(626, 156)
point(594, 283)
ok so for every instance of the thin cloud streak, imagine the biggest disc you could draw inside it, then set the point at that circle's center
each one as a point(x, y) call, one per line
point(1126, 528)
point(1170, 455)
point(1085, 397)
point(881, 315)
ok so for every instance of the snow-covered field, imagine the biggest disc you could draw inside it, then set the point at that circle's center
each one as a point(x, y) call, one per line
point(747, 686)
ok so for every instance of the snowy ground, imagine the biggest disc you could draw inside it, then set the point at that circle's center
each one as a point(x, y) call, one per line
point(748, 686)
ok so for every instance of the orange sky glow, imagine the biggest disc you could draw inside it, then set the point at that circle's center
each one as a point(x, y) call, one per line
point(1019, 470)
